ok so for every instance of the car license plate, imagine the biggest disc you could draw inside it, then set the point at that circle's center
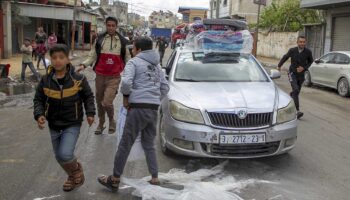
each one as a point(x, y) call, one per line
point(243, 138)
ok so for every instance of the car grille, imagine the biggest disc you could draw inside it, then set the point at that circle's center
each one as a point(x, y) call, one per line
point(244, 150)
point(231, 120)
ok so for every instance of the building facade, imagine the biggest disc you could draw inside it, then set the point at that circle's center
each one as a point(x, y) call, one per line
point(162, 19)
point(237, 9)
point(118, 10)
point(334, 34)
point(190, 14)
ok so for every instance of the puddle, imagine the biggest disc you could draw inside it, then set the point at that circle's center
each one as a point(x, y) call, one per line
point(16, 89)
point(16, 94)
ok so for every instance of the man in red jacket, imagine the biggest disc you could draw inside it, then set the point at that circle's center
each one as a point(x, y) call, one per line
point(108, 59)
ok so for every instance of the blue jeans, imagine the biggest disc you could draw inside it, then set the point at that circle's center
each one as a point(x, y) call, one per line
point(63, 143)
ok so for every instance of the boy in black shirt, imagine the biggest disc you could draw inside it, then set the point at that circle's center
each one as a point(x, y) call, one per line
point(59, 99)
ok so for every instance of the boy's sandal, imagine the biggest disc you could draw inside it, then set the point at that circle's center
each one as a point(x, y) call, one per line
point(154, 183)
point(111, 130)
point(69, 184)
point(99, 130)
point(109, 183)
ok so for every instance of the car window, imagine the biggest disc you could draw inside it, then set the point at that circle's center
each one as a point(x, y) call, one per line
point(342, 59)
point(329, 58)
point(197, 67)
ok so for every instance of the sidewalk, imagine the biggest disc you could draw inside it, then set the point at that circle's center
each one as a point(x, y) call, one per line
point(272, 63)
point(16, 63)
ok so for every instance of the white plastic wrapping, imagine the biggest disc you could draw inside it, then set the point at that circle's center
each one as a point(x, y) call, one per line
point(136, 152)
point(203, 184)
point(224, 41)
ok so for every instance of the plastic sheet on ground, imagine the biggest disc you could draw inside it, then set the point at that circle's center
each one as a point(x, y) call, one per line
point(203, 184)
point(136, 152)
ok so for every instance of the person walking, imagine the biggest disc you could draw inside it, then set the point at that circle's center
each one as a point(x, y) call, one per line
point(162, 44)
point(41, 51)
point(52, 40)
point(59, 99)
point(108, 58)
point(143, 86)
point(27, 51)
point(301, 60)
point(40, 35)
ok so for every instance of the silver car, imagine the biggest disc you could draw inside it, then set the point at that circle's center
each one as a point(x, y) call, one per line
point(331, 70)
point(224, 106)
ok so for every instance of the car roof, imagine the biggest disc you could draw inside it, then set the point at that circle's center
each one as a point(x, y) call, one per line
point(344, 52)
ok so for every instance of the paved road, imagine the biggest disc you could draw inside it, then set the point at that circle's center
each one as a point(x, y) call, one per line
point(317, 169)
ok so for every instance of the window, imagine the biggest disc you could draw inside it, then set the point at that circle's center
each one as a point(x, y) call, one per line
point(342, 59)
point(225, 3)
point(329, 58)
point(170, 63)
point(198, 67)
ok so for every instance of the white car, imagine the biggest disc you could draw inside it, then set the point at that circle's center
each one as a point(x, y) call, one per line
point(331, 70)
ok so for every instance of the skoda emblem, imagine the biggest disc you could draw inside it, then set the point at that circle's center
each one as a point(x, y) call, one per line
point(242, 114)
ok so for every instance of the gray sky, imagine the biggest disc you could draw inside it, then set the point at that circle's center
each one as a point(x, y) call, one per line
point(145, 7)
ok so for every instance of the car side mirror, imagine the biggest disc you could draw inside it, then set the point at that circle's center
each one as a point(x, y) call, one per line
point(317, 61)
point(275, 74)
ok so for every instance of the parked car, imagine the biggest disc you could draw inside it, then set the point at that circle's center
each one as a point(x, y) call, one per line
point(224, 105)
point(331, 70)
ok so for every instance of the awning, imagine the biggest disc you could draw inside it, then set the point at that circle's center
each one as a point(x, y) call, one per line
point(53, 12)
point(323, 4)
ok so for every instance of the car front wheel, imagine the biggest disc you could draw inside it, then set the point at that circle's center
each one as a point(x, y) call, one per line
point(343, 87)
point(307, 82)
point(161, 132)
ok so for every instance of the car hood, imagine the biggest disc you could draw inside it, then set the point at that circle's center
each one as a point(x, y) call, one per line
point(225, 95)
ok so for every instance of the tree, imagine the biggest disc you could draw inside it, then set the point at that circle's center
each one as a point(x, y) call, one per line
point(287, 16)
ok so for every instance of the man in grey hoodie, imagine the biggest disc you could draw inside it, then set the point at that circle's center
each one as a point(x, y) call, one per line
point(143, 86)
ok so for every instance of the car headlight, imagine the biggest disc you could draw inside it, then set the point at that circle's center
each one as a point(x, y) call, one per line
point(185, 114)
point(286, 114)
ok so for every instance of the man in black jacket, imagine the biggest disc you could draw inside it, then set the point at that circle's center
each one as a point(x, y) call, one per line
point(301, 60)
point(59, 99)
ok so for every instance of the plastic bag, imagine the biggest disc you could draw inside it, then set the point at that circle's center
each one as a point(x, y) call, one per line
point(136, 152)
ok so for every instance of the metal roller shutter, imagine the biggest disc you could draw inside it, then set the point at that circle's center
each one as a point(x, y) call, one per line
point(341, 34)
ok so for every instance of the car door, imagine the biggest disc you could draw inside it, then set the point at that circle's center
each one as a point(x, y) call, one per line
point(318, 73)
point(336, 69)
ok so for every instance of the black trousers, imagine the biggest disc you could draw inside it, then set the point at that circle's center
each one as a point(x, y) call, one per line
point(296, 81)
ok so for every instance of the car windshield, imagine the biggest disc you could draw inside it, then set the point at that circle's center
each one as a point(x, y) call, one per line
point(218, 67)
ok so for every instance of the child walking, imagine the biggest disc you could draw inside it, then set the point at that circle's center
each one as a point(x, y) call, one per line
point(34, 46)
point(41, 51)
point(27, 50)
point(59, 99)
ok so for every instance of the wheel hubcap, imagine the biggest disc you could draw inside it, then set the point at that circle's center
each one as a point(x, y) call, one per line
point(343, 87)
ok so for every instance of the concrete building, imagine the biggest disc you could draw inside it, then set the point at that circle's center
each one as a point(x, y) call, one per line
point(237, 9)
point(162, 19)
point(134, 19)
point(190, 14)
point(118, 10)
point(334, 34)
point(53, 18)
point(5, 30)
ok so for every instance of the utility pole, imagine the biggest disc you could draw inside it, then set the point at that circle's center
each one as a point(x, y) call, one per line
point(73, 27)
point(217, 9)
point(259, 2)
point(257, 31)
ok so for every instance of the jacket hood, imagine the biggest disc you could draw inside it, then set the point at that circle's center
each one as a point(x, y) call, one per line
point(150, 56)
